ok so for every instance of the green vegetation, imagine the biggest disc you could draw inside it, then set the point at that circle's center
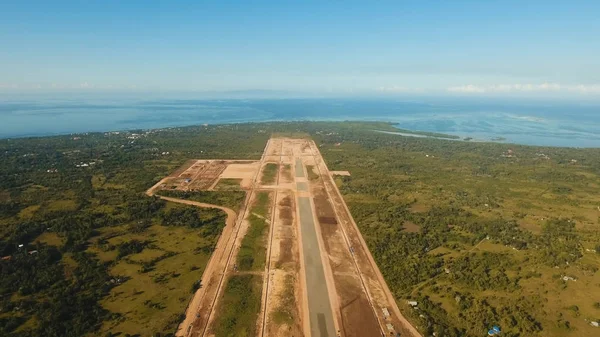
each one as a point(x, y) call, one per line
point(293, 130)
point(131, 247)
point(154, 284)
point(239, 307)
point(500, 234)
point(284, 313)
point(192, 217)
point(99, 256)
point(253, 250)
point(269, 174)
point(311, 173)
point(287, 171)
point(228, 184)
point(29, 276)
point(506, 232)
point(230, 199)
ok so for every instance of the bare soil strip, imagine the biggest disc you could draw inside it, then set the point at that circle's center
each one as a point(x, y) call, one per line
point(281, 315)
point(340, 173)
point(266, 285)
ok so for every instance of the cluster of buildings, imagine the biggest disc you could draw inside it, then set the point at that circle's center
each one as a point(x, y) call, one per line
point(82, 164)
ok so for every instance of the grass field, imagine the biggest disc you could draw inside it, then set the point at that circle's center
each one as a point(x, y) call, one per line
point(252, 254)
point(239, 307)
point(230, 199)
point(284, 313)
point(311, 172)
point(50, 238)
point(269, 174)
point(228, 184)
point(153, 286)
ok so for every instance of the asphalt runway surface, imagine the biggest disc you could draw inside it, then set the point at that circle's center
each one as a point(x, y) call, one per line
point(319, 306)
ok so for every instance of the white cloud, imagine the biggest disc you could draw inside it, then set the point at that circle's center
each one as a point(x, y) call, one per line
point(586, 89)
point(8, 86)
point(468, 89)
point(61, 86)
point(398, 89)
point(543, 87)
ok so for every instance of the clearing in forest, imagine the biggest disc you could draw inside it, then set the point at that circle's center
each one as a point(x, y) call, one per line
point(293, 261)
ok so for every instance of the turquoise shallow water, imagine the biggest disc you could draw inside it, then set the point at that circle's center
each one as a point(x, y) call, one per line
point(523, 122)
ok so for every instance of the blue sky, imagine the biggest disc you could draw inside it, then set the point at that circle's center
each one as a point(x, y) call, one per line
point(451, 47)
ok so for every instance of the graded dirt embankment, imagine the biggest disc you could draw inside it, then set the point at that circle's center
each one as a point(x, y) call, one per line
point(281, 315)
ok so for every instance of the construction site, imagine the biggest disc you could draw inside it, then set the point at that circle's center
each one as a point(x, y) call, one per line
point(318, 276)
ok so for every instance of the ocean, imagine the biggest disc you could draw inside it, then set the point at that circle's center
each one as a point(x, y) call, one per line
point(529, 122)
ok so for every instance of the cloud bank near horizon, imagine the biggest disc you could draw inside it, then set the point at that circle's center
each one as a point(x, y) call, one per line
point(525, 88)
point(549, 88)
